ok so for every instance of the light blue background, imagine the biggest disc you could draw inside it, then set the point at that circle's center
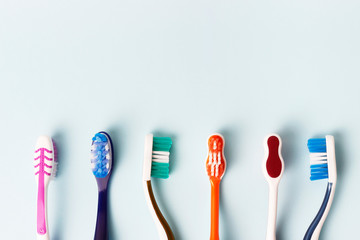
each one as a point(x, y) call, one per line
point(183, 69)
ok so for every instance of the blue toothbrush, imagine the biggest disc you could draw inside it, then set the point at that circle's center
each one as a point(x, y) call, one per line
point(322, 166)
point(101, 165)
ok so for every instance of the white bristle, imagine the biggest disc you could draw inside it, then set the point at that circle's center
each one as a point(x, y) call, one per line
point(161, 153)
point(54, 169)
point(161, 157)
point(318, 158)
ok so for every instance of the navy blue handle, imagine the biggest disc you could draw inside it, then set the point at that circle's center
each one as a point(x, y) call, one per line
point(101, 231)
point(319, 215)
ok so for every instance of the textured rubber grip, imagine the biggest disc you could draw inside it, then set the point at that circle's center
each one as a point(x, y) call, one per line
point(273, 163)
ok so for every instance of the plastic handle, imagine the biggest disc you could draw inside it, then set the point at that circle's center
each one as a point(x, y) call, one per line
point(101, 231)
point(215, 189)
point(272, 212)
point(42, 232)
point(41, 206)
point(162, 226)
point(313, 232)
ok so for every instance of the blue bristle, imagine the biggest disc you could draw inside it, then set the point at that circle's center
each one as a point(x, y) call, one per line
point(318, 171)
point(317, 145)
point(99, 159)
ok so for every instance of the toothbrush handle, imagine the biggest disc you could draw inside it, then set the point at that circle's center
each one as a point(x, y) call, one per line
point(42, 231)
point(162, 226)
point(101, 232)
point(215, 190)
point(272, 212)
point(313, 232)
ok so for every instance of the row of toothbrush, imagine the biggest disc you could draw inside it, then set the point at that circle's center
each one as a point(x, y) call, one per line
point(156, 164)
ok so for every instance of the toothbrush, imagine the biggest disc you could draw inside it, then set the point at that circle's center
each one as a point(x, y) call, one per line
point(45, 168)
point(101, 165)
point(215, 168)
point(322, 166)
point(156, 164)
point(273, 168)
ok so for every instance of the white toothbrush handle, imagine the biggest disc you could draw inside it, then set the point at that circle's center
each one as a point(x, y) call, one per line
point(314, 230)
point(162, 226)
point(321, 223)
point(272, 211)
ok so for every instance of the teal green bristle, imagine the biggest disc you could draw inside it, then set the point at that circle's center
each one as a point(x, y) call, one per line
point(160, 169)
point(162, 144)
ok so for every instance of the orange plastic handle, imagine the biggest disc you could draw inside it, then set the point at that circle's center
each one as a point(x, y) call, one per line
point(214, 227)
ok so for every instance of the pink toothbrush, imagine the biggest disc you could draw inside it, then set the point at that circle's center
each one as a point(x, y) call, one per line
point(44, 165)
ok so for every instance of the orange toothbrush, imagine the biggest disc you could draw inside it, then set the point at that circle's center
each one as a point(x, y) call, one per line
point(215, 168)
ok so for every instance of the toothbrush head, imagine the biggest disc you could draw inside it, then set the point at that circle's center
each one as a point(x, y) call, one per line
point(274, 163)
point(156, 157)
point(45, 158)
point(216, 162)
point(160, 157)
point(322, 158)
point(101, 155)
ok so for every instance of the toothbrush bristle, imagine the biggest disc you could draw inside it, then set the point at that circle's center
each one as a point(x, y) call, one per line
point(160, 157)
point(318, 159)
point(215, 163)
point(101, 155)
point(55, 162)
